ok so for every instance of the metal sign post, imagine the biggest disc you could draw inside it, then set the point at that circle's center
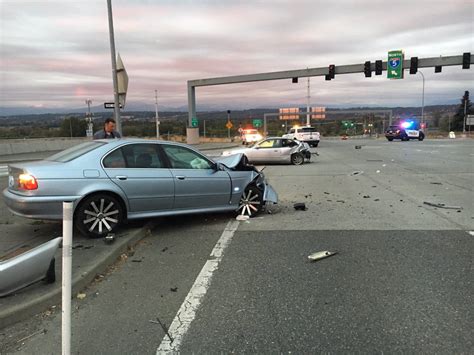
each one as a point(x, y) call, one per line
point(68, 208)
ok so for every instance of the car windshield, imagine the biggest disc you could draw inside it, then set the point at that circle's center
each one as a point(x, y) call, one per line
point(75, 152)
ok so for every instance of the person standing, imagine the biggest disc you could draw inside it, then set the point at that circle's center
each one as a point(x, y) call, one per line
point(108, 132)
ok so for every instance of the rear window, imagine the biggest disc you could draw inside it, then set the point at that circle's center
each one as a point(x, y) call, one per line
point(307, 129)
point(75, 152)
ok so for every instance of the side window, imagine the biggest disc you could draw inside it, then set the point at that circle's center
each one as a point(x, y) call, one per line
point(142, 156)
point(292, 131)
point(288, 143)
point(115, 160)
point(183, 158)
point(267, 144)
point(134, 156)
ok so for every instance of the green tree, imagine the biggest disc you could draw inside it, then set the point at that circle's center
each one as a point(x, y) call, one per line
point(457, 123)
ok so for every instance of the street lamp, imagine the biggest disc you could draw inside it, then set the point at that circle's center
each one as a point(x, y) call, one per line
point(422, 99)
point(157, 119)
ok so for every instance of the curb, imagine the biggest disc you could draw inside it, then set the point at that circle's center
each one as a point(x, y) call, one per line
point(79, 281)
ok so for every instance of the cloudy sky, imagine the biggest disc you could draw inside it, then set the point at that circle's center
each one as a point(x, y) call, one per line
point(55, 53)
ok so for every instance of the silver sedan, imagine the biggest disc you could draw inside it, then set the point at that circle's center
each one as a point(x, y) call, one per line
point(113, 180)
point(275, 150)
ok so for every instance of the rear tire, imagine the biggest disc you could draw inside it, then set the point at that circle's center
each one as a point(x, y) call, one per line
point(389, 139)
point(297, 159)
point(98, 215)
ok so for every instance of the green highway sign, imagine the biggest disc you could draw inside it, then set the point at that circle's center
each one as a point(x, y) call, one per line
point(395, 64)
point(194, 122)
point(257, 123)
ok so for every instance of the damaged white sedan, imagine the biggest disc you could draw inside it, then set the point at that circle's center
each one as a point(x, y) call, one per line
point(275, 150)
point(110, 181)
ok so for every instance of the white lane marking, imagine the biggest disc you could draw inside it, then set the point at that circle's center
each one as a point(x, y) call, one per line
point(3, 170)
point(187, 311)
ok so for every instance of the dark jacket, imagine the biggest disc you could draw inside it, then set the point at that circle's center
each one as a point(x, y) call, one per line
point(104, 135)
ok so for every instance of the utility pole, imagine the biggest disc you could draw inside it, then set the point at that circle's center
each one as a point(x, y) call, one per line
point(465, 114)
point(228, 121)
point(422, 100)
point(156, 116)
point(90, 126)
point(114, 68)
point(204, 129)
point(308, 97)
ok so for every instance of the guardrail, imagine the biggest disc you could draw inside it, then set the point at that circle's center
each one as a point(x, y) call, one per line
point(21, 146)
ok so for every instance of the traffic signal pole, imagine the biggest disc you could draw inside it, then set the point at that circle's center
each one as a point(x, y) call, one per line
point(114, 68)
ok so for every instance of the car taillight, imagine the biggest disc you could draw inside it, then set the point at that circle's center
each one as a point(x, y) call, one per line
point(27, 182)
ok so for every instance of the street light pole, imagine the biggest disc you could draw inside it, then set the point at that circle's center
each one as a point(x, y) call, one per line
point(156, 116)
point(422, 100)
point(114, 68)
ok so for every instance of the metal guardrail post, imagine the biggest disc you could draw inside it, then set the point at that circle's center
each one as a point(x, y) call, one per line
point(68, 208)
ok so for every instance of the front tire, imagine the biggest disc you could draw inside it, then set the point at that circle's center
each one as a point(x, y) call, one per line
point(251, 202)
point(297, 159)
point(98, 215)
point(421, 137)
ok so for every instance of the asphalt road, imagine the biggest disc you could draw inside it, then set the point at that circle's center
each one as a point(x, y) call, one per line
point(401, 281)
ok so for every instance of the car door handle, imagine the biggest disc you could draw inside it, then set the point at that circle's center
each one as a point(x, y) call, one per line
point(180, 177)
point(121, 177)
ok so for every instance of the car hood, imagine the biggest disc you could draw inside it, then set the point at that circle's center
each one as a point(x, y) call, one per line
point(231, 161)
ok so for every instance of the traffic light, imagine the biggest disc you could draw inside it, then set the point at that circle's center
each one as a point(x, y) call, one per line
point(332, 71)
point(466, 60)
point(438, 69)
point(413, 65)
point(367, 70)
point(294, 80)
point(378, 67)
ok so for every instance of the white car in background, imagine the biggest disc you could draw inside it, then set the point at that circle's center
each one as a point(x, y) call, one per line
point(250, 136)
point(305, 134)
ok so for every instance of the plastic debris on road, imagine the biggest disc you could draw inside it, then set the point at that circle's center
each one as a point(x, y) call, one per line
point(300, 206)
point(321, 255)
point(81, 296)
point(241, 217)
point(442, 205)
point(109, 238)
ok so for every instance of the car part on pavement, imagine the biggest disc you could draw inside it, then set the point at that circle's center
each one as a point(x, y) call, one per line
point(29, 267)
point(109, 238)
point(321, 255)
point(300, 206)
point(442, 205)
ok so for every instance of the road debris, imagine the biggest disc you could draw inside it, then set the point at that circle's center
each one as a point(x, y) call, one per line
point(42, 331)
point(241, 217)
point(174, 289)
point(109, 238)
point(137, 260)
point(358, 147)
point(442, 205)
point(366, 196)
point(81, 296)
point(357, 172)
point(436, 183)
point(321, 255)
point(300, 206)
point(377, 171)
point(163, 326)
point(376, 160)
point(164, 249)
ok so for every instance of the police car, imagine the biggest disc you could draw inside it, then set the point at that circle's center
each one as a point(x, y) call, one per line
point(404, 131)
